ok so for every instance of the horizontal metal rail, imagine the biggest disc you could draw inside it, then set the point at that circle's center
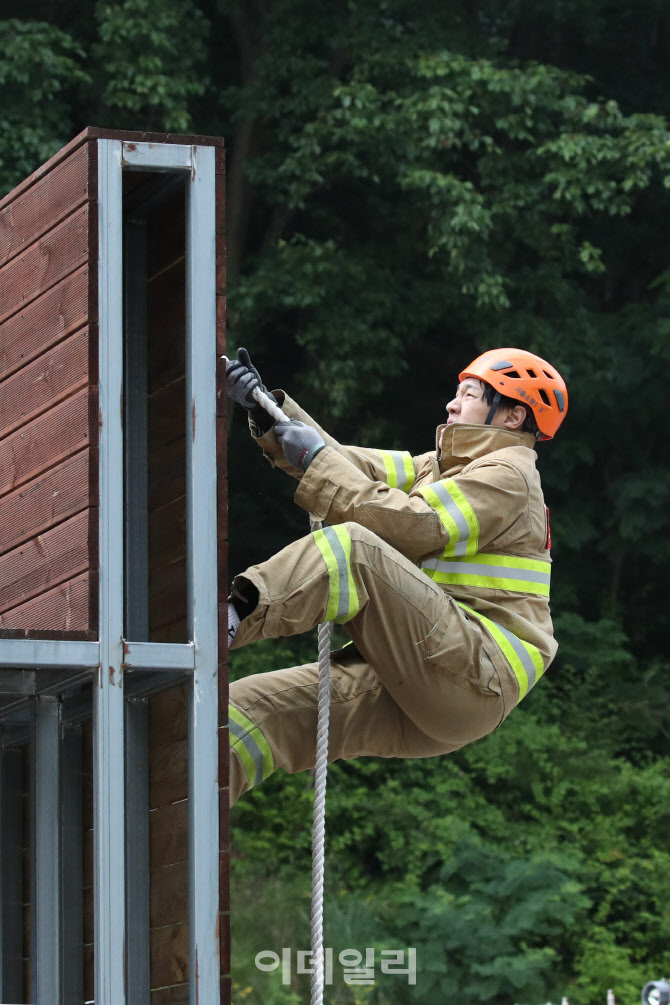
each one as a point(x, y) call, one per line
point(157, 156)
point(47, 654)
point(159, 656)
point(21, 660)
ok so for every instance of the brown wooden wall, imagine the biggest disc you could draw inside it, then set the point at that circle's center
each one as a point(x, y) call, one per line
point(48, 404)
point(166, 314)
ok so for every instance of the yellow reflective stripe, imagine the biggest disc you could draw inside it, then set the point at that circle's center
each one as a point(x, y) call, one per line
point(245, 757)
point(351, 609)
point(410, 476)
point(399, 468)
point(513, 562)
point(524, 658)
point(493, 572)
point(456, 514)
point(487, 582)
point(250, 745)
point(448, 522)
point(391, 473)
point(468, 512)
point(334, 543)
point(324, 547)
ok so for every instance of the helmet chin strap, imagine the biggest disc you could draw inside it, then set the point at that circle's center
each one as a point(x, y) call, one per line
point(493, 409)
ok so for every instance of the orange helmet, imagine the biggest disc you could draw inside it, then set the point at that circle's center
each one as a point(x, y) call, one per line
point(518, 374)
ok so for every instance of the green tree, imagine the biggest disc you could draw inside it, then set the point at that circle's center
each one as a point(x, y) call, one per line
point(40, 69)
point(407, 184)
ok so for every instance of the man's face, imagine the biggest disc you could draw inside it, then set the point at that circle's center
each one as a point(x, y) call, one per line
point(468, 404)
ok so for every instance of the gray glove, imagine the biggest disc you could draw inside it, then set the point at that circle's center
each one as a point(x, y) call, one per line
point(240, 383)
point(241, 379)
point(300, 442)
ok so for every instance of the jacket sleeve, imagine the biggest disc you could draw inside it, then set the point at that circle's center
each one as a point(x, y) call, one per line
point(454, 516)
point(394, 468)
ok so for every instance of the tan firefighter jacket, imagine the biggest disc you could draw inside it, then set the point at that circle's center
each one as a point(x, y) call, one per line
point(470, 513)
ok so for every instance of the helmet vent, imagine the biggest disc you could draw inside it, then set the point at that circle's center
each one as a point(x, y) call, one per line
point(551, 376)
point(545, 397)
point(512, 373)
point(531, 373)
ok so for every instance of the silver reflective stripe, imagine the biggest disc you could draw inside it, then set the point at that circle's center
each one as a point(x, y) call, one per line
point(399, 468)
point(521, 651)
point(251, 746)
point(343, 570)
point(493, 571)
point(460, 548)
point(399, 465)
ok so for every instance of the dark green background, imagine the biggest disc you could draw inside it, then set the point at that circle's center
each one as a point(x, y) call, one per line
point(408, 184)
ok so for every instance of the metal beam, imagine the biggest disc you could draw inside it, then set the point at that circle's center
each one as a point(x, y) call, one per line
point(47, 682)
point(159, 656)
point(108, 703)
point(158, 156)
point(46, 932)
point(202, 578)
point(138, 961)
point(17, 682)
point(42, 654)
point(11, 876)
point(55, 672)
point(72, 870)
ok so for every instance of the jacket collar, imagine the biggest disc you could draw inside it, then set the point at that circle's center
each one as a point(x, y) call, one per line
point(460, 443)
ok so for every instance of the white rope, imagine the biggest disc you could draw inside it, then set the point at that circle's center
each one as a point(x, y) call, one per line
point(270, 406)
point(319, 818)
point(320, 768)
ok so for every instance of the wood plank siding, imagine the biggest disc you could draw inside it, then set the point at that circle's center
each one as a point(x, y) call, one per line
point(48, 401)
point(166, 309)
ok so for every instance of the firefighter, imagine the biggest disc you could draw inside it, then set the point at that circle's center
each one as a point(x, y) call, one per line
point(438, 566)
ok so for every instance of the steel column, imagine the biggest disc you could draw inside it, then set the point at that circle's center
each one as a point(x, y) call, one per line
point(137, 852)
point(108, 703)
point(136, 575)
point(46, 930)
point(72, 870)
point(202, 577)
point(11, 875)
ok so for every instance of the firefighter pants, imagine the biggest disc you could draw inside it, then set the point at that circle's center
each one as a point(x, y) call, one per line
point(426, 678)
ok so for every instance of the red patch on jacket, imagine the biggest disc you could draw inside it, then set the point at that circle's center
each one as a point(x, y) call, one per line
point(548, 544)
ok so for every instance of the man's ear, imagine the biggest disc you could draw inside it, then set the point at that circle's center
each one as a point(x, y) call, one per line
point(515, 418)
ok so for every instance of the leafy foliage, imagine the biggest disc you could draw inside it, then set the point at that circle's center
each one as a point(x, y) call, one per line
point(409, 183)
point(150, 53)
point(40, 65)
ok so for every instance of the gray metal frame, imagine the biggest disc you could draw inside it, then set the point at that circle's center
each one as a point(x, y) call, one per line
point(11, 876)
point(46, 676)
point(45, 843)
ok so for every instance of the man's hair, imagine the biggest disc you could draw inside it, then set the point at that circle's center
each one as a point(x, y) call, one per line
point(529, 423)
